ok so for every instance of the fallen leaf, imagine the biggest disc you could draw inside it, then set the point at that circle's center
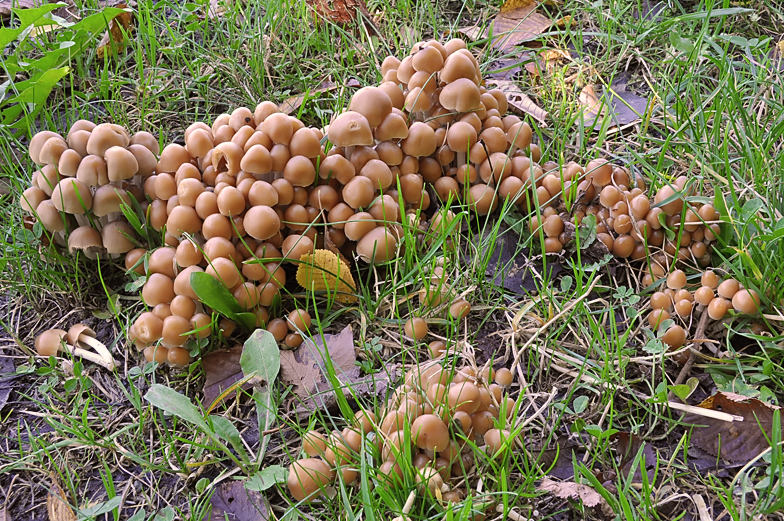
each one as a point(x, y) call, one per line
point(232, 501)
point(222, 370)
point(292, 103)
point(6, 378)
point(119, 27)
point(736, 441)
point(323, 270)
point(6, 5)
point(518, 22)
point(621, 106)
point(572, 490)
point(627, 448)
point(520, 101)
point(306, 370)
point(508, 68)
point(57, 506)
point(339, 11)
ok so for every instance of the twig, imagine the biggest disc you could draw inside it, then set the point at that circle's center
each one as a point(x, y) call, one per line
point(702, 411)
point(686, 369)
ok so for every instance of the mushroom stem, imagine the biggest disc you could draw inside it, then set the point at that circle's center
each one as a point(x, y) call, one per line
point(82, 219)
point(461, 159)
point(91, 356)
point(99, 347)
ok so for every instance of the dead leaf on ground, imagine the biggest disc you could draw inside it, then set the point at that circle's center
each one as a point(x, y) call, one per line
point(57, 506)
point(4, 514)
point(340, 11)
point(627, 448)
point(222, 370)
point(517, 22)
point(292, 103)
point(119, 27)
point(323, 270)
point(6, 378)
point(232, 501)
point(518, 100)
point(621, 106)
point(306, 370)
point(6, 5)
point(735, 441)
point(572, 490)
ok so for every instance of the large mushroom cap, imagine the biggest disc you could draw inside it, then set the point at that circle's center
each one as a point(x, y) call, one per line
point(105, 136)
point(37, 143)
point(72, 196)
point(115, 237)
point(49, 342)
point(462, 95)
point(51, 219)
point(377, 246)
point(85, 238)
point(350, 129)
point(120, 164)
point(373, 103)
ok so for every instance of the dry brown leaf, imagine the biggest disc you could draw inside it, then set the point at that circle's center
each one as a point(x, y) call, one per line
point(57, 506)
point(592, 106)
point(306, 369)
point(114, 38)
point(572, 490)
point(339, 11)
point(518, 100)
point(6, 5)
point(736, 441)
point(222, 370)
point(621, 106)
point(292, 103)
point(232, 501)
point(517, 22)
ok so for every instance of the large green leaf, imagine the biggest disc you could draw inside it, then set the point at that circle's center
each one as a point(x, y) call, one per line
point(261, 356)
point(213, 293)
point(226, 430)
point(177, 404)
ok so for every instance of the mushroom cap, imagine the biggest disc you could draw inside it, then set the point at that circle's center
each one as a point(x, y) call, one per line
point(92, 171)
point(72, 196)
point(261, 222)
point(494, 439)
point(49, 217)
point(299, 171)
point(146, 140)
point(308, 477)
point(77, 141)
point(350, 129)
point(305, 142)
point(394, 91)
point(746, 301)
point(145, 159)
point(278, 127)
point(462, 95)
point(257, 160)
point(49, 342)
point(379, 173)
point(69, 163)
point(394, 126)
point(31, 198)
point(108, 198)
point(520, 135)
point(37, 143)
point(461, 136)
point(85, 238)
point(456, 66)
point(52, 150)
point(429, 432)
point(172, 157)
point(105, 136)
point(421, 140)
point(78, 330)
point(373, 103)
point(377, 246)
point(115, 237)
point(120, 163)
point(337, 167)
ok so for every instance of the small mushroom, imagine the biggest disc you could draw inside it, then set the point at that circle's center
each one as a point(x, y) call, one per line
point(308, 477)
point(52, 341)
point(82, 334)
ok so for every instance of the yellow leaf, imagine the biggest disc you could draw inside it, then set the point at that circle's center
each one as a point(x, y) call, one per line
point(56, 505)
point(324, 271)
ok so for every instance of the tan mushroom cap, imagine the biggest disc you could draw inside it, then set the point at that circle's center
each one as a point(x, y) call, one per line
point(37, 143)
point(145, 159)
point(49, 217)
point(261, 222)
point(337, 167)
point(395, 93)
point(72, 196)
point(172, 157)
point(350, 129)
point(421, 140)
point(85, 238)
point(428, 59)
point(108, 198)
point(80, 125)
point(457, 66)
point(120, 164)
point(379, 173)
point(69, 163)
point(78, 141)
point(242, 116)
point(77, 330)
point(146, 140)
point(115, 237)
point(49, 343)
point(105, 136)
point(520, 135)
point(305, 142)
point(373, 103)
point(299, 171)
point(183, 219)
point(359, 192)
point(92, 171)
point(263, 111)
point(31, 198)
point(462, 95)
point(461, 136)
point(52, 150)
point(377, 246)
point(278, 127)
point(227, 157)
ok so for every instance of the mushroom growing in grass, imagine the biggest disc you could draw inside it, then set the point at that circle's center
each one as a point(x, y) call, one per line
point(80, 334)
point(52, 341)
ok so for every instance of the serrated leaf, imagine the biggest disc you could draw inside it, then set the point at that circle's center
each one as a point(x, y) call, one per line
point(261, 356)
point(268, 477)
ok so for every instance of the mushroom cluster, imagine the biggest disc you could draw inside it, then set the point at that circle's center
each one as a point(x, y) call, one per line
point(77, 341)
point(83, 181)
point(426, 427)
point(713, 296)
